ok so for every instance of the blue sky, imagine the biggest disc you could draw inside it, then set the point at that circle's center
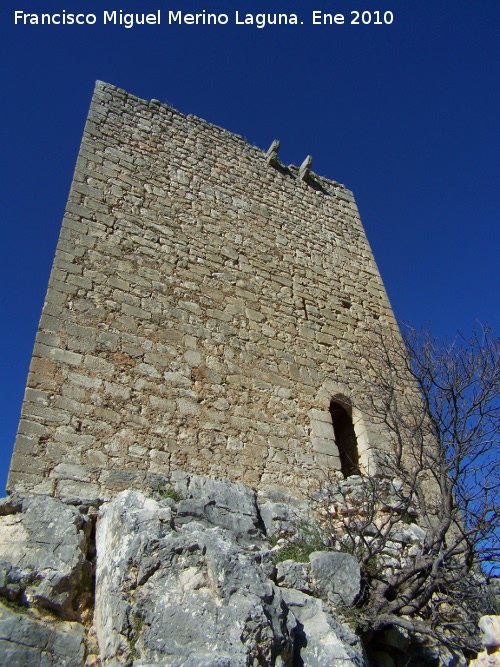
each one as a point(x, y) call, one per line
point(406, 115)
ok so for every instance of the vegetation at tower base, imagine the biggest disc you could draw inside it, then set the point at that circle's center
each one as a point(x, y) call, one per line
point(441, 469)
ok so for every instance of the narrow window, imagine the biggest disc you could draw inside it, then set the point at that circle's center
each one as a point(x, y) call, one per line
point(345, 439)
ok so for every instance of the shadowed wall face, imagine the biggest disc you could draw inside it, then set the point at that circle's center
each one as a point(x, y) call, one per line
point(199, 300)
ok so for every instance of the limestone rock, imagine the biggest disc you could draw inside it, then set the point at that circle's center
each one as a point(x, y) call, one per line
point(490, 628)
point(484, 659)
point(218, 502)
point(184, 584)
point(189, 595)
point(409, 534)
point(25, 642)
point(322, 640)
point(294, 575)
point(285, 516)
point(43, 550)
point(336, 575)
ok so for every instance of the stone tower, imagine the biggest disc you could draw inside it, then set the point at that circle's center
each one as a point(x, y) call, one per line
point(205, 310)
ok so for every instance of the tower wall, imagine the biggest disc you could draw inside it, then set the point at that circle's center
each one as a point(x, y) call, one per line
point(204, 307)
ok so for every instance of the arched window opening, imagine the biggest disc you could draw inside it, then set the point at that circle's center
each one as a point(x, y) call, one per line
point(345, 439)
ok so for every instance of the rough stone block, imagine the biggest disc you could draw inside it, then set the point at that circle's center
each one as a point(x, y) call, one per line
point(46, 541)
point(26, 642)
point(336, 575)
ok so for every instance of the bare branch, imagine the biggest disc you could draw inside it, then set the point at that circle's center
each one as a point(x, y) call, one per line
point(438, 406)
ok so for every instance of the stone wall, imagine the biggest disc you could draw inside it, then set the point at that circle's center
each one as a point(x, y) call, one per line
point(203, 309)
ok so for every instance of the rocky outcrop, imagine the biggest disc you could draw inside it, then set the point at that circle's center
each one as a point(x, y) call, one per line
point(45, 582)
point(43, 554)
point(26, 642)
point(185, 579)
point(206, 573)
point(184, 593)
point(175, 586)
point(337, 576)
point(319, 638)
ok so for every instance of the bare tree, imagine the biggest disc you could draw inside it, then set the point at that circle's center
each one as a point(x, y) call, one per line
point(440, 468)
